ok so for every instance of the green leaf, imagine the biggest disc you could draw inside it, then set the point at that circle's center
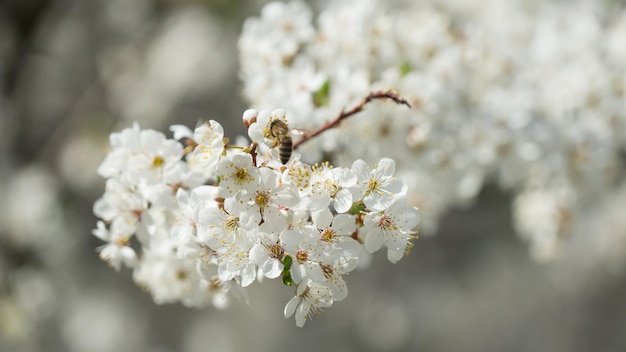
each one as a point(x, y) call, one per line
point(287, 260)
point(404, 68)
point(356, 208)
point(321, 97)
point(287, 280)
point(286, 275)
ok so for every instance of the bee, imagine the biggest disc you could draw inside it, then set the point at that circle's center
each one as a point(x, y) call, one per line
point(280, 132)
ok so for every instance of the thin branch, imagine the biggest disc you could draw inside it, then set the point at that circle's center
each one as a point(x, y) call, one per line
point(252, 151)
point(382, 94)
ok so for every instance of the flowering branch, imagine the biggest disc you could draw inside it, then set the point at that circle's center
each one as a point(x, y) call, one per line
point(306, 224)
point(381, 94)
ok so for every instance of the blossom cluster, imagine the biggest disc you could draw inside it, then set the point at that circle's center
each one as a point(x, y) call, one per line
point(199, 220)
point(526, 95)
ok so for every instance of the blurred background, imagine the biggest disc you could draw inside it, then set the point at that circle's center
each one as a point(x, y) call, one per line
point(73, 71)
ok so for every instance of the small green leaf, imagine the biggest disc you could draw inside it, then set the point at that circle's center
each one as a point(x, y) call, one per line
point(287, 260)
point(287, 280)
point(321, 97)
point(404, 68)
point(286, 275)
point(356, 208)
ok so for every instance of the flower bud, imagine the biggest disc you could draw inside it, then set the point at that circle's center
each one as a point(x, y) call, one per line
point(249, 117)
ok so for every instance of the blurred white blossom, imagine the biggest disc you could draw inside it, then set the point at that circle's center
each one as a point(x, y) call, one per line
point(529, 95)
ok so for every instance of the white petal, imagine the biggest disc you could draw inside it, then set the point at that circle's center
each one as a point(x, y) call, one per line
point(339, 290)
point(344, 224)
point(386, 167)
point(394, 255)
point(291, 239)
point(288, 195)
point(101, 231)
point(319, 201)
point(188, 247)
point(346, 177)
point(110, 253)
point(343, 201)
point(129, 257)
point(172, 150)
point(182, 196)
point(395, 240)
point(360, 168)
point(258, 254)
point(351, 246)
point(314, 272)
point(205, 192)
point(297, 273)
point(279, 113)
point(181, 131)
point(302, 313)
point(255, 132)
point(291, 306)
point(378, 202)
point(217, 128)
point(396, 188)
point(275, 217)
point(408, 218)
point(104, 210)
point(224, 273)
point(113, 163)
point(275, 270)
point(220, 300)
point(248, 274)
point(373, 241)
point(351, 264)
point(322, 219)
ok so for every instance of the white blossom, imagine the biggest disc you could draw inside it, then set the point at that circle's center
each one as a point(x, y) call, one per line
point(214, 220)
point(209, 137)
point(393, 227)
point(378, 188)
point(117, 251)
point(268, 254)
point(237, 174)
point(525, 96)
point(310, 298)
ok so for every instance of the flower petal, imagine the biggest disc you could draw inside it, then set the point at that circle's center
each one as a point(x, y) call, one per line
point(394, 255)
point(322, 219)
point(373, 241)
point(343, 201)
point(291, 306)
point(386, 167)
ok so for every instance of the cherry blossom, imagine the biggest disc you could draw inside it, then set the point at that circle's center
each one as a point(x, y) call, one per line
point(217, 217)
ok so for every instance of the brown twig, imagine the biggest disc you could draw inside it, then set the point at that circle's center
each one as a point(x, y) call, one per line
point(382, 94)
point(252, 151)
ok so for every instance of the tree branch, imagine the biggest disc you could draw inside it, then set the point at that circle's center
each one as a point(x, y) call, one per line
point(381, 94)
